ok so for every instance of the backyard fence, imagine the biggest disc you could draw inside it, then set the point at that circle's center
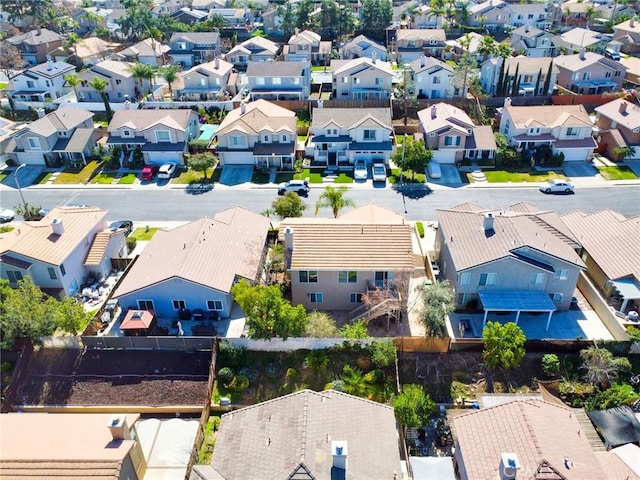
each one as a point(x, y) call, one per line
point(601, 307)
point(422, 344)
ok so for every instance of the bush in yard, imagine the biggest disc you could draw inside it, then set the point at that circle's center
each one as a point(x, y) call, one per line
point(383, 353)
point(420, 228)
point(132, 242)
point(239, 384)
point(550, 364)
point(317, 360)
point(225, 375)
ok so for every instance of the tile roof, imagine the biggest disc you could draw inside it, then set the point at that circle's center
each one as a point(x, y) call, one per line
point(259, 115)
point(116, 67)
point(368, 238)
point(528, 65)
point(98, 247)
point(137, 320)
point(581, 37)
point(141, 119)
point(442, 117)
point(210, 67)
point(36, 239)
point(145, 49)
point(272, 68)
point(422, 34)
point(348, 118)
point(427, 63)
point(52, 69)
point(306, 36)
point(63, 119)
point(361, 44)
point(272, 439)
point(359, 63)
point(535, 430)
point(548, 115)
point(610, 239)
point(630, 118)
point(584, 60)
point(462, 230)
point(195, 37)
point(209, 251)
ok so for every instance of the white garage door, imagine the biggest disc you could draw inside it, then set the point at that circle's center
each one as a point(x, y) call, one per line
point(575, 154)
point(236, 158)
point(163, 157)
point(444, 156)
point(31, 158)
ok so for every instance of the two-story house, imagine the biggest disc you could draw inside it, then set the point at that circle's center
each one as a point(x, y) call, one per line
point(362, 46)
point(65, 135)
point(618, 125)
point(534, 14)
point(205, 82)
point(206, 5)
point(279, 80)
point(191, 48)
point(589, 73)
point(433, 78)
point(254, 49)
point(628, 33)
point(452, 136)
point(571, 14)
point(258, 133)
point(189, 16)
point(41, 83)
point(86, 52)
point(367, 251)
point(565, 130)
point(160, 135)
point(61, 250)
point(361, 79)
point(511, 260)
point(35, 45)
point(148, 51)
point(424, 17)
point(272, 21)
point(576, 39)
point(91, 18)
point(532, 41)
point(413, 43)
point(339, 136)
point(494, 15)
point(121, 84)
point(307, 46)
point(531, 75)
point(468, 43)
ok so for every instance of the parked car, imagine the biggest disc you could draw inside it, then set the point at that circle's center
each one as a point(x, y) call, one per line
point(127, 225)
point(167, 170)
point(149, 172)
point(434, 170)
point(301, 187)
point(360, 169)
point(557, 186)
point(379, 171)
point(6, 215)
point(612, 54)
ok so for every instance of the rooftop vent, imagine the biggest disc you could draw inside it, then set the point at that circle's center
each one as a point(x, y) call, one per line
point(57, 226)
point(118, 426)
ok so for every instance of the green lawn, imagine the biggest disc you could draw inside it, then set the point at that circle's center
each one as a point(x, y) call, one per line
point(144, 234)
point(617, 173)
point(260, 177)
point(104, 178)
point(43, 178)
point(344, 178)
point(3, 175)
point(128, 179)
point(408, 177)
point(3, 85)
point(191, 176)
point(502, 176)
point(74, 176)
point(314, 177)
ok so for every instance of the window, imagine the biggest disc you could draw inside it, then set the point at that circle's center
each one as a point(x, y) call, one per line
point(34, 143)
point(561, 274)
point(178, 304)
point(536, 278)
point(118, 81)
point(607, 75)
point(411, 44)
point(506, 127)
point(216, 81)
point(572, 132)
point(617, 74)
point(308, 276)
point(381, 278)
point(460, 299)
point(556, 297)
point(378, 81)
point(277, 81)
point(296, 81)
point(163, 136)
point(450, 140)
point(214, 304)
point(266, 138)
point(52, 273)
point(62, 269)
point(488, 279)
point(332, 132)
point(316, 297)
point(259, 80)
point(586, 75)
point(31, 84)
point(127, 133)
point(203, 82)
point(356, 80)
point(14, 276)
point(465, 279)
point(236, 140)
point(145, 304)
point(345, 79)
point(347, 277)
point(436, 80)
point(355, 297)
point(534, 131)
point(285, 139)
point(369, 134)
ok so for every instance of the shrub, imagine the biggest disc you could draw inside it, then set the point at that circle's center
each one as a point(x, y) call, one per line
point(550, 364)
point(225, 375)
point(215, 423)
point(239, 384)
point(131, 243)
point(420, 228)
point(383, 353)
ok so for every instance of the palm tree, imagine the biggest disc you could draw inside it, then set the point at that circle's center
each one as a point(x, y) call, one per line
point(140, 72)
point(170, 74)
point(73, 81)
point(149, 74)
point(71, 45)
point(503, 51)
point(590, 13)
point(487, 47)
point(100, 86)
point(333, 198)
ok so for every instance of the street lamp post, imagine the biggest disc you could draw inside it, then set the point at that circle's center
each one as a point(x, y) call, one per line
point(15, 175)
point(404, 146)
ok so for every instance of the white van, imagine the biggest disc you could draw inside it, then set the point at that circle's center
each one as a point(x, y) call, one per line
point(433, 169)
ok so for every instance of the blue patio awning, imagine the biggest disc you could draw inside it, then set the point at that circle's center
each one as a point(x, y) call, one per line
point(516, 301)
point(628, 288)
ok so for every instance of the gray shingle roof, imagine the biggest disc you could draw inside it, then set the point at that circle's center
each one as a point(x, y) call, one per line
point(276, 69)
point(348, 118)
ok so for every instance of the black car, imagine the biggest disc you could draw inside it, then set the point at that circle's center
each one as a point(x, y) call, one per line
point(127, 225)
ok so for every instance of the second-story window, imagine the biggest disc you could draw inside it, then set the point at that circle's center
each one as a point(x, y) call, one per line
point(369, 134)
point(163, 136)
point(277, 81)
point(572, 131)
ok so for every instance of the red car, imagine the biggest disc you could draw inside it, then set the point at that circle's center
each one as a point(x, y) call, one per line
point(149, 172)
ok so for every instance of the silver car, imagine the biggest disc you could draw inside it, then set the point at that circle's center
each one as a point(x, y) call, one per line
point(6, 215)
point(557, 186)
point(379, 172)
point(360, 170)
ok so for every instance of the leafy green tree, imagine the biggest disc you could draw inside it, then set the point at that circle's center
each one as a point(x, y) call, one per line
point(601, 367)
point(333, 198)
point(71, 316)
point(616, 396)
point(376, 16)
point(437, 301)
point(288, 205)
point(28, 212)
point(203, 161)
point(304, 18)
point(487, 47)
point(383, 353)
point(11, 61)
point(413, 406)
point(135, 23)
point(503, 345)
point(416, 156)
point(268, 314)
point(550, 364)
point(321, 325)
point(100, 86)
point(317, 360)
point(466, 68)
point(356, 382)
point(355, 331)
point(624, 152)
point(289, 18)
point(73, 81)
point(170, 74)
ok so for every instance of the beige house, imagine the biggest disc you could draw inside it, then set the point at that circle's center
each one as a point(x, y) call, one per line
point(361, 79)
point(161, 137)
point(258, 133)
point(147, 51)
point(35, 45)
point(532, 73)
point(628, 33)
point(452, 136)
point(633, 70)
point(205, 82)
point(589, 73)
point(412, 43)
point(121, 85)
point(307, 46)
point(533, 41)
point(618, 124)
point(494, 15)
point(333, 263)
point(362, 46)
point(254, 49)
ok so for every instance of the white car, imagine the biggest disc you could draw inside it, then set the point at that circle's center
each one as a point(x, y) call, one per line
point(360, 170)
point(433, 169)
point(6, 215)
point(301, 187)
point(167, 170)
point(379, 172)
point(557, 186)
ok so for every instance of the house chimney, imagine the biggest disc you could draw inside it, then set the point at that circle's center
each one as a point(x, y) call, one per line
point(217, 63)
point(118, 426)
point(487, 223)
point(507, 102)
point(57, 226)
point(297, 30)
point(433, 111)
point(320, 104)
point(632, 22)
point(38, 31)
point(243, 108)
point(50, 65)
point(582, 53)
point(41, 113)
point(339, 451)
point(526, 28)
point(127, 105)
point(623, 107)
point(509, 465)
point(374, 57)
point(288, 238)
point(422, 61)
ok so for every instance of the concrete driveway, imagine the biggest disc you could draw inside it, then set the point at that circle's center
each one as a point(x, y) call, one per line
point(236, 174)
point(26, 176)
point(579, 169)
point(450, 176)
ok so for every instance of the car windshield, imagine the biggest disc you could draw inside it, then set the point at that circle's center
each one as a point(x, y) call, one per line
point(378, 167)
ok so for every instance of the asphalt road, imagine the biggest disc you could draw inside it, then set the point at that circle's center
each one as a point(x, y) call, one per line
point(166, 204)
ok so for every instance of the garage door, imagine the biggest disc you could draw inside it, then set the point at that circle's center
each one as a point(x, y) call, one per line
point(575, 154)
point(163, 157)
point(31, 158)
point(236, 158)
point(444, 156)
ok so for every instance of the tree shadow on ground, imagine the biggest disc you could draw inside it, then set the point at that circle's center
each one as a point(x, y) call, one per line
point(412, 191)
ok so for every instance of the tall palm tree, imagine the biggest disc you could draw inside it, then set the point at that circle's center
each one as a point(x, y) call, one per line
point(148, 74)
point(333, 198)
point(71, 45)
point(139, 71)
point(100, 86)
point(170, 74)
point(73, 81)
point(487, 47)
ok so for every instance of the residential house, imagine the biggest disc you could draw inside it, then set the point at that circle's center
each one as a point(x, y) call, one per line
point(469, 42)
point(618, 125)
point(532, 75)
point(191, 48)
point(86, 52)
point(91, 18)
point(258, 133)
point(632, 75)
point(237, 19)
point(576, 39)
point(361, 79)
point(365, 251)
point(147, 51)
point(324, 434)
point(494, 15)
point(610, 249)
point(39, 84)
point(200, 263)
point(189, 16)
point(544, 439)
point(565, 130)
point(533, 14)
point(452, 136)
point(424, 18)
point(433, 78)
point(205, 82)
point(254, 49)
point(628, 33)
point(339, 136)
point(206, 5)
point(362, 46)
point(589, 73)
point(571, 14)
point(72, 446)
point(160, 137)
point(35, 45)
point(272, 22)
point(307, 46)
point(507, 259)
point(279, 80)
point(532, 42)
point(8, 129)
point(65, 135)
point(58, 252)
point(413, 43)
point(121, 84)
point(167, 7)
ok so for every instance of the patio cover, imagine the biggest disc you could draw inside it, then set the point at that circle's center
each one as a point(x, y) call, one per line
point(628, 288)
point(137, 320)
point(516, 301)
point(617, 426)
point(432, 468)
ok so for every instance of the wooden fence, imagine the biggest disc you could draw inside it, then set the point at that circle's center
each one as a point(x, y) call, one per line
point(422, 344)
